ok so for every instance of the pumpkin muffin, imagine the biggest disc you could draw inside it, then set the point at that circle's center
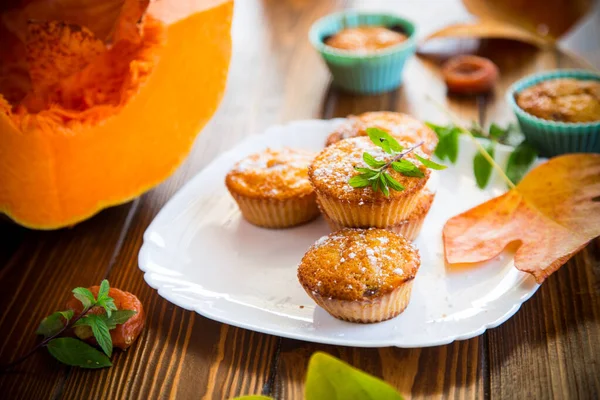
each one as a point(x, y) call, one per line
point(272, 188)
point(562, 100)
point(400, 126)
point(411, 226)
point(363, 39)
point(360, 275)
point(353, 207)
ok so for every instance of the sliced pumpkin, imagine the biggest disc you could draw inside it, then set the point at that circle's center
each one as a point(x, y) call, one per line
point(93, 116)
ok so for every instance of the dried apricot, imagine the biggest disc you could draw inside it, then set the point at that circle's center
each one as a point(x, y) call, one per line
point(470, 74)
point(123, 335)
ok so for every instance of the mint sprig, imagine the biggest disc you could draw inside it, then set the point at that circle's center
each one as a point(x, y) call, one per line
point(376, 174)
point(75, 352)
point(519, 161)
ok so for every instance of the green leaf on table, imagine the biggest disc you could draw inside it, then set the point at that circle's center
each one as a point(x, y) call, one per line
point(429, 163)
point(371, 161)
point(332, 379)
point(384, 140)
point(84, 296)
point(447, 147)
point(407, 168)
point(118, 317)
point(519, 162)
point(76, 353)
point(482, 167)
point(53, 323)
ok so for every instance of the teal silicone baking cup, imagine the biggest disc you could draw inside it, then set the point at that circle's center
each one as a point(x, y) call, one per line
point(364, 73)
point(553, 138)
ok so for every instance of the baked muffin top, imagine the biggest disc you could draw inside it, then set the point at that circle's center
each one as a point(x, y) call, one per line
point(358, 264)
point(333, 167)
point(272, 174)
point(365, 38)
point(564, 99)
point(400, 126)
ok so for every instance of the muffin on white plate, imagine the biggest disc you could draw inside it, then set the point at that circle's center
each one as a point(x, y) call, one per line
point(360, 275)
point(272, 188)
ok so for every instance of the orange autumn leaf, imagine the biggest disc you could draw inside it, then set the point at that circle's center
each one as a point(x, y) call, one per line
point(552, 213)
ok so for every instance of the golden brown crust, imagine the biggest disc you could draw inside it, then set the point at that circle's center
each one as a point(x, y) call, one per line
point(272, 174)
point(358, 264)
point(333, 167)
point(401, 126)
point(365, 38)
point(566, 100)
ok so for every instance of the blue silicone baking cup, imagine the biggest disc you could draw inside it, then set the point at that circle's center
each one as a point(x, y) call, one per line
point(364, 73)
point(552, 138)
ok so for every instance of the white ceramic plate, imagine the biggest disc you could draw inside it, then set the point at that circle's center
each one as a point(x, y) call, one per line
point(202, 255)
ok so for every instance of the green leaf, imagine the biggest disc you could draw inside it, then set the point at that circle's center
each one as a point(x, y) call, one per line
point(359, 181)
point(383, 184)
point(53, 323)
point(407, 168)
point(104, 288)
point(495, 132)
point(393, 183)
point(520, 161)
point(108, 304)
point(366, 171)
point(84, 296)
point(118, 317)
point(447, 147)
point(482, 168)
point(429, 163)
point(371, 161)
point(76, 353)
point(100, 331)
point(384, 140)
point(331, 379)
point(375, 184)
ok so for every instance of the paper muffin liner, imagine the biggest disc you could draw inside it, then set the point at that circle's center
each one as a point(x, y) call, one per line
point(271, 213)
point(364, 73)
point(410, 227)
point(552, 138)
point(378, 309)
point(377, 215)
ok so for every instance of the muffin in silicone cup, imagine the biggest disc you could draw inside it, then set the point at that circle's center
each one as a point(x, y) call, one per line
point(411, 226)
point(364, 72)
point(400, 126)
point(352, 207)
point(552, 137)
point(360, 275)
point(272, 188)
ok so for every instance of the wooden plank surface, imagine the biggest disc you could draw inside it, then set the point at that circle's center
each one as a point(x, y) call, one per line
point(549, 349)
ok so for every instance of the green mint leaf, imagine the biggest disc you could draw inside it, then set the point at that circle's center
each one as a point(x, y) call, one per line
point(476, 130)
point(53, 323)
point(438, 129)
point(118, 317)
point(384, 140)
point(519, 162)
point(76, 353)
point(407, 168)
point(359, 181)
point(375, 183)
point(447, 147)
point(393, 183)
point(84, 296)
point(108, 304)
point(104, 288)
point(429, 163)
point(383, 184)
point(332, 379)
point(100, 331)
point(482, 168)
point(496, 132)
point(366, 171)
point(371, 161)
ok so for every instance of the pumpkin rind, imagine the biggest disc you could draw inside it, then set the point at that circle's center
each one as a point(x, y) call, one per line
point(58, 177)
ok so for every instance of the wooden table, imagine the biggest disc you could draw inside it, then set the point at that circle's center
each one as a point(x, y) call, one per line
point(549, 349)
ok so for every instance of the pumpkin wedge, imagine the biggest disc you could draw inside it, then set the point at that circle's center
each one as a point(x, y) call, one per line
point(101, 101)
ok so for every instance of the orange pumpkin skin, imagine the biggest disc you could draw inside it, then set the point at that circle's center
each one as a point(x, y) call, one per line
point(52, 178)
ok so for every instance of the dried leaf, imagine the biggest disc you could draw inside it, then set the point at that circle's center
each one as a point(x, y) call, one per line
point(56, 50)
point(553, 213)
